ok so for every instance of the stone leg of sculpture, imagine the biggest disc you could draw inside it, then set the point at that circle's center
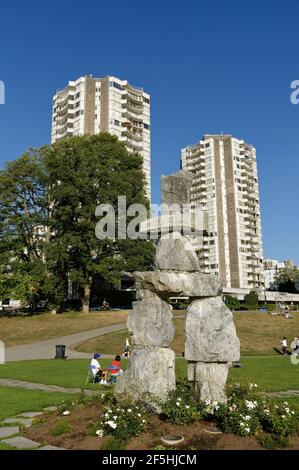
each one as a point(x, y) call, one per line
point(150, 376)
point(209, 380)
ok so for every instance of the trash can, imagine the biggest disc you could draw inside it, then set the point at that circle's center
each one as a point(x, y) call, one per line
point(60, 351)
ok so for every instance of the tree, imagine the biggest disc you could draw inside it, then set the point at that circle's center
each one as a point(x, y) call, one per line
point(251, 300)
point(84, 172)
point(23, 216)
point(287, 279)
point(231, 302)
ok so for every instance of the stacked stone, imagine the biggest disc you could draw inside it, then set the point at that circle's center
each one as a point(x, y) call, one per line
point(211, 343)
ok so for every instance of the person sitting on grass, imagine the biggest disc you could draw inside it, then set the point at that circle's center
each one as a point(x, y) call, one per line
point(99, 373)
point(115, 369)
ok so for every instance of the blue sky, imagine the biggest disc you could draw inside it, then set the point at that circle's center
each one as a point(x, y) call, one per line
point(209, 67)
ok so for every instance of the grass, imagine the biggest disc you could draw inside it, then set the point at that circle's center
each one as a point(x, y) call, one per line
point(65, 373)
point(18, 400)
point(271, 373)
point(61, 427)
point(24, 330)
point(258, 333)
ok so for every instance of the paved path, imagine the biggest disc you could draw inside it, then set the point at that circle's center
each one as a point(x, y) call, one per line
point(42, 387)
point(46, 349)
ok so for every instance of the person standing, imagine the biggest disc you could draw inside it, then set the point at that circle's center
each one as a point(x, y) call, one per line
point(284, 346)
point(127, 348)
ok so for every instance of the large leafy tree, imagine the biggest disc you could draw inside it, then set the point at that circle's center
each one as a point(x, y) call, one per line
point(23, 218)
point(84, 172)
point(287, 279)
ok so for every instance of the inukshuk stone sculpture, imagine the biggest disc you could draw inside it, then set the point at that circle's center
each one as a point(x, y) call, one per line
point(211, 342)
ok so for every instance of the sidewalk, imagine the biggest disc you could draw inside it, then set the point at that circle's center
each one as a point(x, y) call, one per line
point(46, 349)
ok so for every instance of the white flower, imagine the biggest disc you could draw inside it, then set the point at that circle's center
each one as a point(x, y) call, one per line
point(106, 415)
point(187, 406)
point(216, 407)
point(179, 399)
point(283, 416)
point(285, 403)
point(100, 433)
point(287, 410)
point(129, 410)
point(143, 420)
point(293, 412)
point(207, 402)
point(138, 414)
point(112, 424)
point(247, 430)
point(66, 413)
point(177, 403)
point(247, 418)
point(114, 417)
point(215, 403)
point(103, 395)
point(242, 424)
point(109, 411)
point(267, 412)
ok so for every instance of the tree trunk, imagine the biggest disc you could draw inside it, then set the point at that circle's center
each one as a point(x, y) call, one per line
point(86, 298)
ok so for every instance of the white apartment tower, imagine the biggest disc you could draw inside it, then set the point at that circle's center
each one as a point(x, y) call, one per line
point(225, 184)
point(92, 105)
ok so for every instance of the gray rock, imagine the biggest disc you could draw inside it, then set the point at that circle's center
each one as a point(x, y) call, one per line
point(175, 252)
point(210, 333)
point(9, 431)
point(150, 376)
point(176, 188)
point(26, 422)
point(50, 448)
point(209, 380)
point(21, 443)
point(150, 323)
point(177, 284)
point(50, 408)
point(30, 414)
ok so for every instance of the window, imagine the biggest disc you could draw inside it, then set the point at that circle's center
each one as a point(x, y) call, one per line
point(146, 126)
point(116, 85)
point(146, 100)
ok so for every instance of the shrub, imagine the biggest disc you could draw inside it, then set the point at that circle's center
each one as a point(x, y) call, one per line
point(181, 407)
point(270, 441)
point(39, 421)
point(61, 427)
point(247, 413)
point(123, 422)
point(278, 419)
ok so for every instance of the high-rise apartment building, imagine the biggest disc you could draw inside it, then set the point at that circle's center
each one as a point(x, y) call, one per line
point(225, 185)
point(91, 105)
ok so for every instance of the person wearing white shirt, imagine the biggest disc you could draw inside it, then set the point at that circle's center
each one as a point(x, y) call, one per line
point(284, 346)
point(97, 370)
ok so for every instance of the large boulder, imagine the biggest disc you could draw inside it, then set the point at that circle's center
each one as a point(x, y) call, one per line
point(150, 322)
point(210, 333)
point(150, 377)
point(209, 380)
point(175, 252)
point(176, 188)
point(178, 284)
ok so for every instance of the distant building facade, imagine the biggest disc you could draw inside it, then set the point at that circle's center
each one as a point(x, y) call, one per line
point(225, 185)
point(92, 105)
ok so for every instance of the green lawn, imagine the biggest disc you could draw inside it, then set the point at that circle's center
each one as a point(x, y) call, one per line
point(14, 401)
point(69, 373)
point(271, 373)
